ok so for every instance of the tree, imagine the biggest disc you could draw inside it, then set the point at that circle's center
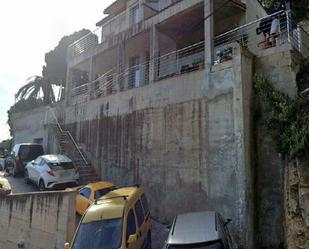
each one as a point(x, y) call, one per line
point(56, 60)
point(34, 88)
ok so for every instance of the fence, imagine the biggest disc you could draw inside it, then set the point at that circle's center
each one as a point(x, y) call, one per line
point(273, 30)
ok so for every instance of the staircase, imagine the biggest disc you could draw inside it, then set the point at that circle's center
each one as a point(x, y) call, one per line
point(69, 147)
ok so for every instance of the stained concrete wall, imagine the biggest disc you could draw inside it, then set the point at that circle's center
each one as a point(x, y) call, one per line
point(38, 124)
point(37, 220)
point(186, 139)
point(31, 125)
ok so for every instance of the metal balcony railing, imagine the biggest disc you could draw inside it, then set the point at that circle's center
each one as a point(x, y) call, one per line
point(181, 61)
point(113, 26)
point(177, 62)
point(256, 36)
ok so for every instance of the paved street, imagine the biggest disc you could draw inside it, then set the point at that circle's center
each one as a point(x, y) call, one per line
point(17, 184)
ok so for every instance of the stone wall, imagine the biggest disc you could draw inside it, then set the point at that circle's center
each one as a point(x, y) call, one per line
point(37, 220)
point(297, 204)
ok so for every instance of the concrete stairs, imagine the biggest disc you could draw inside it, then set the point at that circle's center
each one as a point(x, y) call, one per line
point(69, 147)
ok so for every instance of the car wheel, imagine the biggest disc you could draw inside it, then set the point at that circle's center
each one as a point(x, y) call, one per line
point(149, 241)
point(26, 178)
point(41, 185)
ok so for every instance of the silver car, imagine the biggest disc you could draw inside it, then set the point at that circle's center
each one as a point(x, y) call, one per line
point(200, 230)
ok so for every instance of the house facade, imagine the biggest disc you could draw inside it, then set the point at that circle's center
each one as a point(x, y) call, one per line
point(161, 94)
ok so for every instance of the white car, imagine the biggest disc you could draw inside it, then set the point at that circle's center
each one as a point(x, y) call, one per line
point(50, 171)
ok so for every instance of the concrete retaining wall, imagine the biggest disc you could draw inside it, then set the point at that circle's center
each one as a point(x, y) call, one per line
point(37, 220)
point(186, 139)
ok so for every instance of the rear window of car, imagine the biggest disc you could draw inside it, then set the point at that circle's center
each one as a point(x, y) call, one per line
point(101, 192)
point(30, 152)
point(61, 165)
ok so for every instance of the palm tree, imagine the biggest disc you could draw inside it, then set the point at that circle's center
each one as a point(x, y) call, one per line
point(34, 87)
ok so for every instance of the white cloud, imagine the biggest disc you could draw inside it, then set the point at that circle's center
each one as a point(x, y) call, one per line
point(31, 28)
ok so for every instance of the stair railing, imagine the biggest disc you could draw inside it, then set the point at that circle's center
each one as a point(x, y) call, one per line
point(69, 134)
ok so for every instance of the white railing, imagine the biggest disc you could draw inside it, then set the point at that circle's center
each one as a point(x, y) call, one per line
point(174, 63)
point(80, 90)
point(256, 36)
point(181, 61)
point(111, 27)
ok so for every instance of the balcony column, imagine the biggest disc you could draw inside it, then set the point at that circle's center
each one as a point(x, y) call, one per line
point(153, 54)
point(141, 9)
point(68, 87)
point(209, 33)
point(92, 76)
point(120, 78)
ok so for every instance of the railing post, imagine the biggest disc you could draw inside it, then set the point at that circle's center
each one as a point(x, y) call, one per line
point(288, 23)
point(209, 33)
point(92, 75)
point(68, 88)
point(154, 50)
point(299, 38)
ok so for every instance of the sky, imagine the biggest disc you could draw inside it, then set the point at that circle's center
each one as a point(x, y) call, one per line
point(31, 28)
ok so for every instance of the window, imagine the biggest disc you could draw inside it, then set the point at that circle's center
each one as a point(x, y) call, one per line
point(131, 225)
point(101, 192)
point(134, 14)
point(145, 204)
point(85, 192)
point(139, 213)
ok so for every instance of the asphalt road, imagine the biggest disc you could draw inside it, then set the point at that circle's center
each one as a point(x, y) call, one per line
point(17, 184)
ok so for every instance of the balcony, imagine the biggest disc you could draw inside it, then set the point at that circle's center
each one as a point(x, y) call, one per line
point(113, 25)
point(176, 63)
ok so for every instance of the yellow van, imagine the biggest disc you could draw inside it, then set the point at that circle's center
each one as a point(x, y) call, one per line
point(119, 220)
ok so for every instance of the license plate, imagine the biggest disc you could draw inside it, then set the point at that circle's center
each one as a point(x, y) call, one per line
point(64, 174)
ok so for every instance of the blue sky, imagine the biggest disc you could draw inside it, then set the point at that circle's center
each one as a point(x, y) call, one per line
point(31, 28)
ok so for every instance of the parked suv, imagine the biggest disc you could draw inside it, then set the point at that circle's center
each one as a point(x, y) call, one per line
point(200, 230)
point(20, 155)
point(51, 171)
point(120, 219)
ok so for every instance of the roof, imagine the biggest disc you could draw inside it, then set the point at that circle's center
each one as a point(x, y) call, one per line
point(193, 228)
point(99, 185)
point(116, 7)
point(111, 205)
point(56, 158)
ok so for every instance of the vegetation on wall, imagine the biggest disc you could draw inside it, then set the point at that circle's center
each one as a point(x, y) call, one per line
point(287, 119)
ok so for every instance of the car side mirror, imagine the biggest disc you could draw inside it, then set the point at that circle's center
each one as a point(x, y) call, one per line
point(228, 221)
point(132, 239)
point(67, 245)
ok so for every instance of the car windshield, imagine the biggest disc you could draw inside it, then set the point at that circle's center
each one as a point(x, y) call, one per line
point(210, 245)
point(30, 152)
point(103, 234)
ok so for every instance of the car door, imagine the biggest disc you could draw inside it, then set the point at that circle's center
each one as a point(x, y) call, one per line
point(83, 200)
point(131, 230)
point(142, 230)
